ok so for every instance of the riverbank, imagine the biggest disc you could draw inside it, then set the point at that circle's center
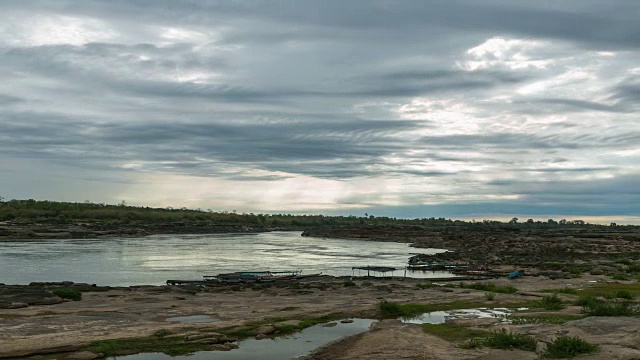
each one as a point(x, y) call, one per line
point(38, 323)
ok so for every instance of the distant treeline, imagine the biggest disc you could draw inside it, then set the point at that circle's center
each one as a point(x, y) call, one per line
point(34, 211)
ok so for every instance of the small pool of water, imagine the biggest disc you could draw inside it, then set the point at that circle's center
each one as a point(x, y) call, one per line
point(192, 319)
point(281, 348)
point(440, 317)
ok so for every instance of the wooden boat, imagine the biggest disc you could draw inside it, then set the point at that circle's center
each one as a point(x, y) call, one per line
point(435, 267)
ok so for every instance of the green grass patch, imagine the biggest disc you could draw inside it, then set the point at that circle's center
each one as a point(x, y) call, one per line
point(569, 347)
point(595, 307)
point(172, 346)
point(551, 302)
point(557, 319)
point(509, 341)
point(489, 296)
point(565, 290)
point(70, 294)
point(492, 287)
point(620, 277)
point(602, 289)
point(635, 268)
point(453, 332)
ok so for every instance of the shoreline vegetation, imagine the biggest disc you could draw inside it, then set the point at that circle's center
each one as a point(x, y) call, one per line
point(25, 219)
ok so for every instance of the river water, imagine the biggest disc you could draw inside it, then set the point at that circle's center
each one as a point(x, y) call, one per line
point(154, 259)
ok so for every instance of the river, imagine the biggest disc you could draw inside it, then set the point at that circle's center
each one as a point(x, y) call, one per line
point(154, 259)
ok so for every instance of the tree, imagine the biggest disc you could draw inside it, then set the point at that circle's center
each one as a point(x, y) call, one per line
point(530, 221)
point(563, 221)
point(514, 221)
point(551, 221)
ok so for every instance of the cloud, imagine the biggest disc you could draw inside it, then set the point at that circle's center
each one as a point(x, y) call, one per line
point(394, 107)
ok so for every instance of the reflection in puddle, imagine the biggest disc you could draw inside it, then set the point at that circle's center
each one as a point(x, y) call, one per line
point(440, 317)
point(192, 319)
point(281, 348)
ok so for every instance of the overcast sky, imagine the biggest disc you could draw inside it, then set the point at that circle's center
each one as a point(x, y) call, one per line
point(463, 109)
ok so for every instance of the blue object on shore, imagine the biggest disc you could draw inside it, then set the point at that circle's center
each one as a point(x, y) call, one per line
point(515, 274)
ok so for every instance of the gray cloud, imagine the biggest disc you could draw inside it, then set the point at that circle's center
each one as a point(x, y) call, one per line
point(402, 107)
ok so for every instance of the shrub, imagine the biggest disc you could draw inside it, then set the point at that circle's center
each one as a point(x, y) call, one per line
point(509, 341)
point(586, 300)
point(552, 302)
point(576, 271)
point(490, 296)
point(70, 294)
point(348, 283)
point(389, 308)
point(568, 347)
point(425, 285)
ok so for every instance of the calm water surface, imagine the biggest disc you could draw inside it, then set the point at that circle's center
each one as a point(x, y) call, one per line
point(154, 259)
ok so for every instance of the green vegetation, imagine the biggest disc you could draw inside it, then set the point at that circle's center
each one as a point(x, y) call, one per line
point(349, 283)
point(70, 294)
point(593, 306)
point(602, 289)
point(552, 302)
point(557, 319)
point(53, 212)
point(509, 341)
point(453, 332)
point(425, 285)
point(620, 277)
point(489, 287)
point(565, 290)
point(490, 296)
point(633, 268)
point(569, 347)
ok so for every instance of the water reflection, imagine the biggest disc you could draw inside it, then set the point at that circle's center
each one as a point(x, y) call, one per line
point(154, 259)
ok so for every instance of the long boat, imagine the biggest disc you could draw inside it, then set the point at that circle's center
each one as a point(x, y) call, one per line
point(434, 267)
point(256, 276)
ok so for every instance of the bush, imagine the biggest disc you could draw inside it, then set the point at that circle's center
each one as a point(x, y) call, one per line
point(552, 302)
point(586, 300)
point(490, 296)
point(348, 283)
point(624, 294)
point(620, 277)
point(389, 308)
point(509, 341)
point(425, 285)
point(603, 308)
point(70, 294)
point(568, 347)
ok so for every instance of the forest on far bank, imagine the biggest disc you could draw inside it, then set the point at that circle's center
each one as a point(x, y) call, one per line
point(55, 212)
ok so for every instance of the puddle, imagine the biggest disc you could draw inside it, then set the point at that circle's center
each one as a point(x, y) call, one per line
point(192, 319)
point(440, 317)
point(281, 348)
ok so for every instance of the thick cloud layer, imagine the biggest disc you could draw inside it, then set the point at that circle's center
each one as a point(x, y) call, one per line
point(440, 108)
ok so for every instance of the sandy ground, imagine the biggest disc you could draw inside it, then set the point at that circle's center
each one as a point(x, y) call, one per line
point(139, 311)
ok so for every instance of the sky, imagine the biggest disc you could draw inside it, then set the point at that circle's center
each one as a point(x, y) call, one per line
point(463, 109)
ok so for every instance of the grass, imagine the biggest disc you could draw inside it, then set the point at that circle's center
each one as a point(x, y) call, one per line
point(492, 287)
point(569, 347)
point(602, 289)
point(70, 294)
point(593, 306)
point(620, 277)
point(349, 283)
point(425, 285)
point(453, 332)
point(551, 302)
point(635, 268)
point(557, 319)
point(172, 346)
point(565, 290)
point(490, 296)
point(509, 341)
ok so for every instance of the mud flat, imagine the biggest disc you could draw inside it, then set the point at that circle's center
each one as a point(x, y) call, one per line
point(120, 321)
